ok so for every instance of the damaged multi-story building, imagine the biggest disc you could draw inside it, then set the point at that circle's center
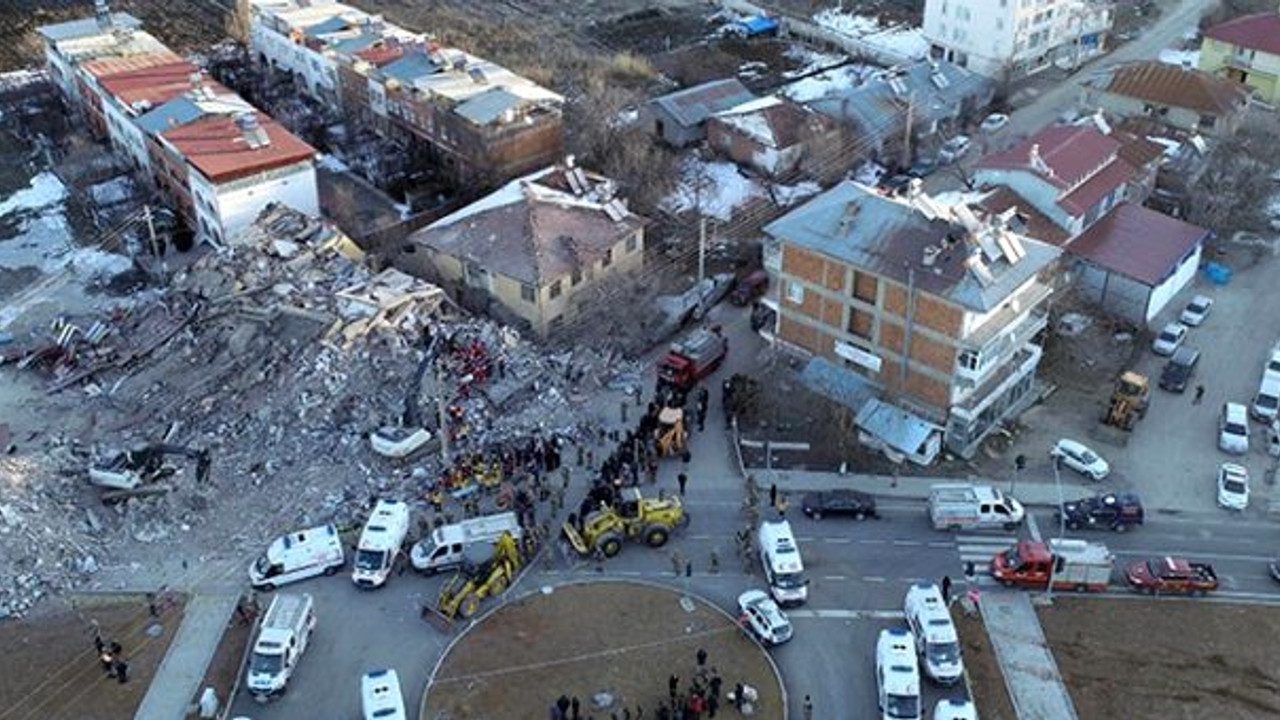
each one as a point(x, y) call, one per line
point(215, 159)
point(533, 251)
point(932, 306)
point(479, 123)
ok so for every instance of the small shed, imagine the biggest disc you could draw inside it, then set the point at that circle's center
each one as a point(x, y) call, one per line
point(757, 26)
point(898, 433)
point(772, 135)
point(680, 118)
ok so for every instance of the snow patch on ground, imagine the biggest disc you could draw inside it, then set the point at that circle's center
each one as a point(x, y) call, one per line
point(904, 40)
point(724, 188)
point(810, 60)
point(331, 163)
point(827, 83)
point(1189, 58)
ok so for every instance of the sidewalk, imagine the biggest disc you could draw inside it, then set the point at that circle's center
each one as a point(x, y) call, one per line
point(905, 486)
point(1030, 672)
point(177, 680)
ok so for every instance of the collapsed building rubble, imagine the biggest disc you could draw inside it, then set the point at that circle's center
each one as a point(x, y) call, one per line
point(279, 356)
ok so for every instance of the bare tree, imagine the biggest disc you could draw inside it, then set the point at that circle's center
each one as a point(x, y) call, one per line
point(237, 23)
point(1233, 192)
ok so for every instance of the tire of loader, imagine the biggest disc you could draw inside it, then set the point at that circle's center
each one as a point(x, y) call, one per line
point(656, 535)
point(683, 522)
point(469, 606)
point(497, 586)
point(610, 544)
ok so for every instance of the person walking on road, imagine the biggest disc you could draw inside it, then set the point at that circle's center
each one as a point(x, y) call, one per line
point(946, 589)
point(773, 495)
point(682, 480)
point(1199, 395)
point(808, 708)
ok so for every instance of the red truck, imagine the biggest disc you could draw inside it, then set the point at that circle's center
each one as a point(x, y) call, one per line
point(1172, 575)
point(1073, 565)
point(692, 359)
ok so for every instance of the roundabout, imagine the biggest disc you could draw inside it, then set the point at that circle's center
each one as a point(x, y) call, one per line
point(622, 639)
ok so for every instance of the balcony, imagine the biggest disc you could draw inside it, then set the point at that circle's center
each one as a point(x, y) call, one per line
point(1008, 374)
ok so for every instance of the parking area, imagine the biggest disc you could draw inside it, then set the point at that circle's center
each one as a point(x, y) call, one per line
point(1171, 458)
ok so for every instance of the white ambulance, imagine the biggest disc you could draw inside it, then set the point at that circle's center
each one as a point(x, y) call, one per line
point(380, 543)
point(937, 642)
point(298, 556)
point(286, 628)
point(897, 675)
point(783, 568)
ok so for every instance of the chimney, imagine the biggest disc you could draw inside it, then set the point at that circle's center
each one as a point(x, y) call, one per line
point(102, 11)
point(197, 82)
point(252, 131)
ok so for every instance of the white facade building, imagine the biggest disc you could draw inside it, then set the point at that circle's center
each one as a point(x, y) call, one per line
point(1005, 39)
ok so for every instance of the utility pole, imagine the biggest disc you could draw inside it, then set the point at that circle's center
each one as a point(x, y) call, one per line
point(906, 336)
point(1062, 527)
point(702, 248)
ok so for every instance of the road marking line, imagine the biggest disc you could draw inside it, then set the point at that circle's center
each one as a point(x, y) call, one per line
point(1032, 527)
point(907, 543)
point(942, 544)
point(835, 577)
point(838, 541)
point(848, 614)
point(873, 542)
point(873, 578)
point(702, 537)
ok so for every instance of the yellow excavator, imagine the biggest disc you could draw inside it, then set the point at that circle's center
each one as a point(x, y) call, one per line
point(474, 582)
point(635, 517)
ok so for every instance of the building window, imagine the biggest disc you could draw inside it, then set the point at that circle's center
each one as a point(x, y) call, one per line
point(864, 287)
point(795, 292)
point(527, 293)
point(969, 360)
point(608, 258)
point(860, 323)
point(632, 242)
point(575, 277)
point(1207, 122)
point(556, 287)
point(475, 275)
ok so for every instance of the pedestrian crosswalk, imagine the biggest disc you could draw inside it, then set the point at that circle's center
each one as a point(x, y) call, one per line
point(979, 549)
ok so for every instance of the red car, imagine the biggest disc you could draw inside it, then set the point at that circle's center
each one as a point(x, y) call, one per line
point(1172, 575)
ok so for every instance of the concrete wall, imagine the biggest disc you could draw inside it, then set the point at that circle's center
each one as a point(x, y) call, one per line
point(318, 73)
point(1123, 296)
point(127, 137)
point(231, 207)
point(662, 124)
point(1260, 72)
point(1177, 117)
point(1163, 293)
point(1005, 38)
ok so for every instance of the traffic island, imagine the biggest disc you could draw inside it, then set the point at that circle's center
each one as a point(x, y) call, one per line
point(586, 640)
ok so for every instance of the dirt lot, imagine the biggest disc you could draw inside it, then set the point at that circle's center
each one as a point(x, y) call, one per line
point(1147, 659)
point(626, 640)
point(52, 671)
point(225, 666)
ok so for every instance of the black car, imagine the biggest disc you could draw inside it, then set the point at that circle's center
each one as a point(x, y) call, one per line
point(1112, 511)
point(1275, 569)
point(839, 502)
point(1178, 371)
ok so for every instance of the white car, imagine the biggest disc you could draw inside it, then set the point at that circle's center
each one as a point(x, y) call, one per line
point(1081, 459)
point(380, 697)
point(1233, 486)
point(1196, 310)
point(994, 122)
point(952, 709)
point(1233, 429)
point(1169, 339)
point(954, 149)
point(761, 616)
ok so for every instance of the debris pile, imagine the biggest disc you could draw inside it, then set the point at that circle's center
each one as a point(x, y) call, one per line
point(278, 355)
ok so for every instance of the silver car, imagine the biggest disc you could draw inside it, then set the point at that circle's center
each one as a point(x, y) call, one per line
point(1169, 339)
point(760, 615)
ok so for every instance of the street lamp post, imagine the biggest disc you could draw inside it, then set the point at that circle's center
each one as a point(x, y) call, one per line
point(1019, 464)
point(1062, 526)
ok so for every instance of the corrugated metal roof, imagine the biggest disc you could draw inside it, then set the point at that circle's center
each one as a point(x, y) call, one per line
point(87, 27)
point(1175, 86)
point(410, 67)
point(488, 106)
point(218, 149)
point(901, 430)
point(1068, 152)
point(1256, 32)
point(1138, 242)
point(116, 65)
point(692, 106)
point(836, 383)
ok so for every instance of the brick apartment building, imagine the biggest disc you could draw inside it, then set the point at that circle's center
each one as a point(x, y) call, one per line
point(931, 305)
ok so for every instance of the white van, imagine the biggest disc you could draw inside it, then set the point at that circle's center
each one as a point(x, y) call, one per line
point(380, 697)
point(783, 569)
point(286, 628)
point(298, 556)
point(937, 642)
point(956, 506)
point(897, 675)
point(447, 545)
point(1267, 402)
point(380, 543)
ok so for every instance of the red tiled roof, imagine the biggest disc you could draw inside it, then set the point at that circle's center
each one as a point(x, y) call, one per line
point(155, 85)
point(1140, 243)
point(120, 64)
point(1078, 201)
point(1070, 152)
point(1037, 224)
point(381, 55)
point(216, 147)
point(1256, 32)
point(1176, 86)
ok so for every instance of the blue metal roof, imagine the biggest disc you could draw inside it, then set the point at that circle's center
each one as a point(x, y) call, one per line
point(87, 27)
point(758, 25)
point(356, 44)
point(410, 67)
point(326, 27)
point(898, 428)
point(178, 111)
point(488, 105)
point(836, 383)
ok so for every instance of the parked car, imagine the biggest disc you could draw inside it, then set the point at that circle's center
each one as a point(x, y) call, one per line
point(1233, 486)
point(1274, 567)
point(761, 616)
point(1233, 429)
point(1196, 310)
point(954, 149)
point(1080, 458)
point(895, 185)
point(923, 167)
point(994, 122)
point(1171, 575)
point(1169, 339)
point(1178, 371)
point(953, 709)
point(858, 505)
point(1110, 511)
